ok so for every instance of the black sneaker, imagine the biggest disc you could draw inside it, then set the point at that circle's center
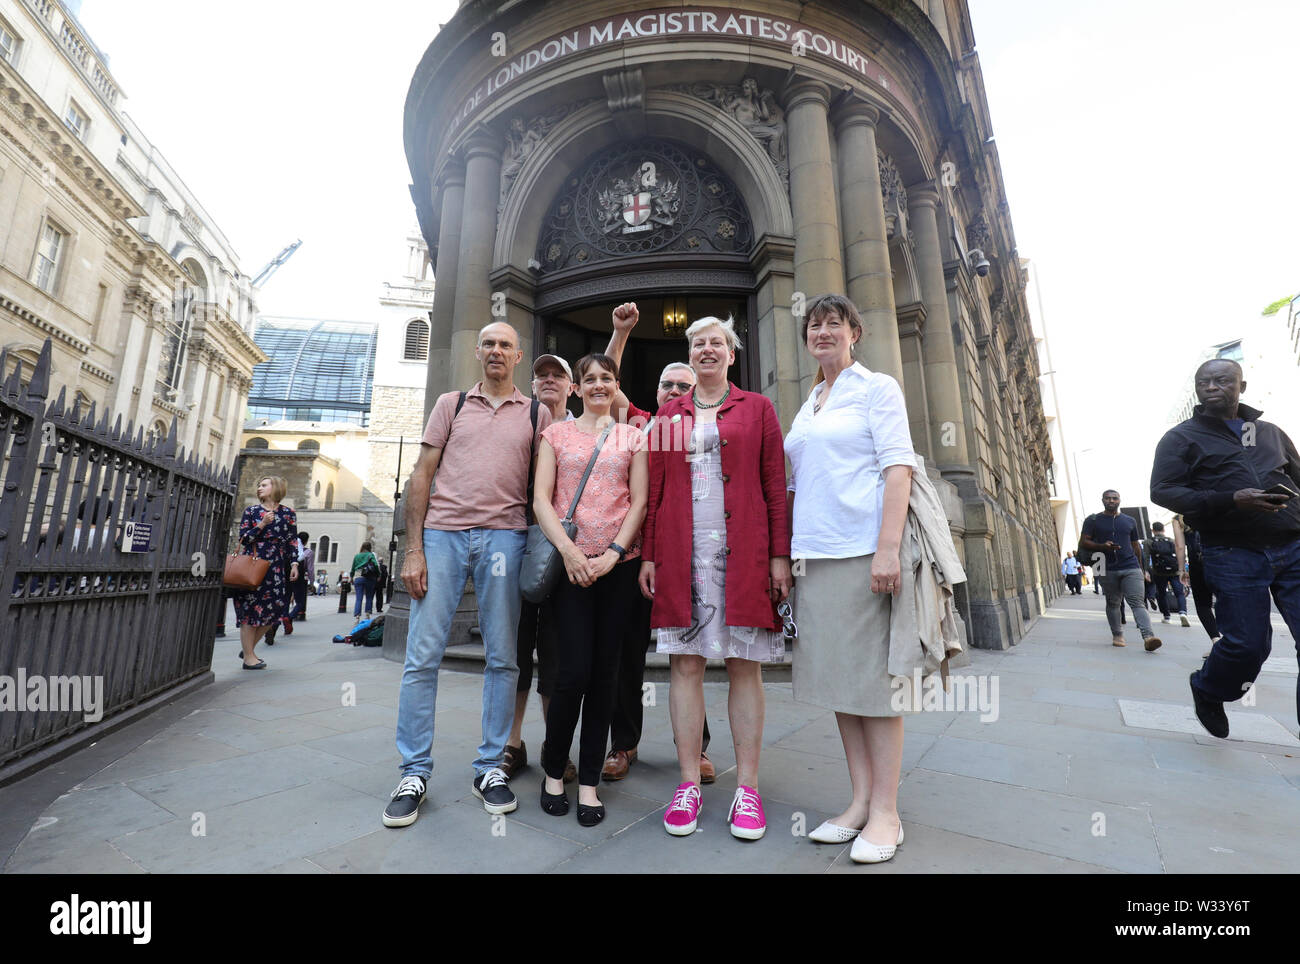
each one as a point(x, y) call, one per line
point(1210, 713)
point(406, 803)
point(494, 790)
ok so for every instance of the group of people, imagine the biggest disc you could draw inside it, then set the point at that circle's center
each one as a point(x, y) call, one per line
point(686, 524)
point(1234, 481)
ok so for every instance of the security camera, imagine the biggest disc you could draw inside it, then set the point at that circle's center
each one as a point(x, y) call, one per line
point(977, 261)
point(534, 265)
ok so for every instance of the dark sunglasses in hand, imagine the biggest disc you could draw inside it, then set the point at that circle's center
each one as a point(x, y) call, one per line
point(789, 629)
point(667, 386)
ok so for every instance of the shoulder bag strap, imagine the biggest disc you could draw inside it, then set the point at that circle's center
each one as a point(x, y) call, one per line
point(590, 465)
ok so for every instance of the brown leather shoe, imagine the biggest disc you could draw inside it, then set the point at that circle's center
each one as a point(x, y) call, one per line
point(516, 758)
point(617, 764)
point(1117, 640)
point(570, 772)
point(707, 773)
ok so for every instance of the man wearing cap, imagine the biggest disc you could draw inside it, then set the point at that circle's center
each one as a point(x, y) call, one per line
point(552, 385)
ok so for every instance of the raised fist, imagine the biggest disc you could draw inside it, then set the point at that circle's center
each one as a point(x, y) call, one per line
point(626, 316)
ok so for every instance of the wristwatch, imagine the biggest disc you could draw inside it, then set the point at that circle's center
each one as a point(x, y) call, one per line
point(619, 549)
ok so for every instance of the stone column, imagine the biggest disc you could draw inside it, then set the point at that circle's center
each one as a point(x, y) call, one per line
point(473, 301)
point(942, 389)
point(911, 325)
point(818, 268)
point(867, 271)
point(438, 377)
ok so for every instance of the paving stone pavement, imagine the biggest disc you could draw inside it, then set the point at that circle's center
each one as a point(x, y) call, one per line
point(1089, 766)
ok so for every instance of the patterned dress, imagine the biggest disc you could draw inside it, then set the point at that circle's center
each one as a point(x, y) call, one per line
point(709, 635)
point(270, 601)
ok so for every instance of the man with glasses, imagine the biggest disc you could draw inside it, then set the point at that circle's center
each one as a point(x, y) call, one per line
point(676, 379)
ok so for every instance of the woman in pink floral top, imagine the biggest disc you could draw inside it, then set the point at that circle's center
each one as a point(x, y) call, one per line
point(598, 598)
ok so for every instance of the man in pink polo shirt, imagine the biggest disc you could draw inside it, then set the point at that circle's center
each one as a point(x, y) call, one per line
point(478, 448)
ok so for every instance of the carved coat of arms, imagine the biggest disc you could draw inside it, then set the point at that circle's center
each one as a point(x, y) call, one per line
point(638, 203)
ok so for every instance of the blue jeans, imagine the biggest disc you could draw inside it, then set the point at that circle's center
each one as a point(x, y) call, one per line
point(363, 587)
point(1242, 580)
point(1158, 583)
point(493, 557)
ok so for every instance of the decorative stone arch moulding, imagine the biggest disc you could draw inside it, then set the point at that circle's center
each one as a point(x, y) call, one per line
point(670, 115)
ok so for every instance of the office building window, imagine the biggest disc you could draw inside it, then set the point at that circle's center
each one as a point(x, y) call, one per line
point(417, 341)
point(8, 45)
point(75, 120)
point(46, 269)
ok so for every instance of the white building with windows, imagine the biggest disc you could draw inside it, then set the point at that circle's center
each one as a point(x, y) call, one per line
point(337, 411)
point(105, 250)
point(1063, 492)
point(1267, 347)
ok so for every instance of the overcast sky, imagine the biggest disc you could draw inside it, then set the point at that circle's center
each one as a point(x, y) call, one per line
point(1148, 148)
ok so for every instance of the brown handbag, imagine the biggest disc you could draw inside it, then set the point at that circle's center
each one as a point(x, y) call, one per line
point(244, 572)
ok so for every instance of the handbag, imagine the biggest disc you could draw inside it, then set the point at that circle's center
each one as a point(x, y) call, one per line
point(542, 564)
point(244, 572)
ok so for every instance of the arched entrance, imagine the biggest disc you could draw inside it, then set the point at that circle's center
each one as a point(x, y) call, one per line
point(657, 222)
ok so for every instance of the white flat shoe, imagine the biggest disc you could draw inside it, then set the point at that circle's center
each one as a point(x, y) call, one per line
point(833, 833)
point(865, 852)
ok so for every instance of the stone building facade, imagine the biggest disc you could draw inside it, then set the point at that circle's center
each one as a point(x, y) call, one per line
point(567, 157)
point(104, 249)
point(338, 411)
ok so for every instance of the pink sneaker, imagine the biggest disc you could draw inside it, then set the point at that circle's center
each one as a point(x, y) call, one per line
point(684, 812)
point(746, 815)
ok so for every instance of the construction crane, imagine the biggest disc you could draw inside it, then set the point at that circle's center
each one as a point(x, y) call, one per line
point(265, 274)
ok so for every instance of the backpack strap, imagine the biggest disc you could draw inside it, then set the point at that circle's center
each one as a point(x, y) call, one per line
point(532, 462)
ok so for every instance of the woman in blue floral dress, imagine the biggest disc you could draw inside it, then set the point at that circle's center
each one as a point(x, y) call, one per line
point(269, 531)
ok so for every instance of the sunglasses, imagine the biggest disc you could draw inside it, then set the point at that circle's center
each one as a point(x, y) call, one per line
point(681, 386)
point(788, 628)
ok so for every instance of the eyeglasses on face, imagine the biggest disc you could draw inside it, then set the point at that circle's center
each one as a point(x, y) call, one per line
point(668, 385)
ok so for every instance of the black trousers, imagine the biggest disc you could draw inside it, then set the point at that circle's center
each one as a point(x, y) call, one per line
point(590, 622)
point(1072, 583)
point(379, 597)
point(629, 688)
point(536, 631)
point(299, 608)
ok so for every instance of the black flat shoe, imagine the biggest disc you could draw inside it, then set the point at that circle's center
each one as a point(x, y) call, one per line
point(556, 804)
point(261, 664)
point(590, 816)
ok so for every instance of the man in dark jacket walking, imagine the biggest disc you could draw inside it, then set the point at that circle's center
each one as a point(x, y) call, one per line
point(1237, 480)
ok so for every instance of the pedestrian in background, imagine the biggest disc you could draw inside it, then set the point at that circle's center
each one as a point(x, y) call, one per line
point(1162, 563)
point(365, 573)
point(1115, 535)
point(345, 584)
point(381, 586)
point(1070, 569)
point(267, 530)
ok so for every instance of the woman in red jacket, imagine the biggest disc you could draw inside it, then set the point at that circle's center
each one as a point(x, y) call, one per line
point(717, 457)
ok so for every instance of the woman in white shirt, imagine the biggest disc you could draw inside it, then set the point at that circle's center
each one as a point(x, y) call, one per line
point(852, 457)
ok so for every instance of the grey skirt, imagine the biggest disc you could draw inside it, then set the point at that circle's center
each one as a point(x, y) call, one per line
point(841, 658)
